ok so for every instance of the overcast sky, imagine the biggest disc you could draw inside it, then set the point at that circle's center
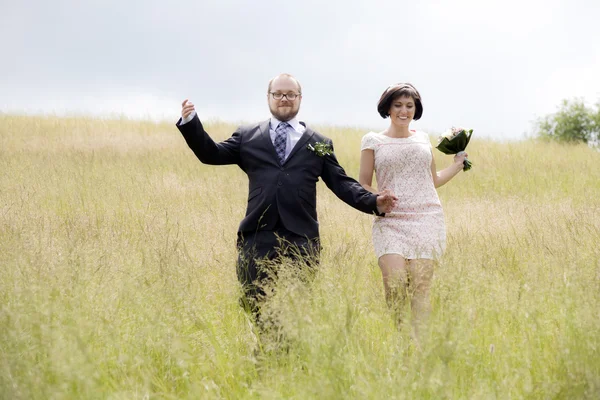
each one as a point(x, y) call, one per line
point(494, 66)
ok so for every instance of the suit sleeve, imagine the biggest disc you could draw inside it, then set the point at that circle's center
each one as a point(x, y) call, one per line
point(207, 151)
point(347, 189)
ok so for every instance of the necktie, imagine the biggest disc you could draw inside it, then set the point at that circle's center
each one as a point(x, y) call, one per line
point(280, 142)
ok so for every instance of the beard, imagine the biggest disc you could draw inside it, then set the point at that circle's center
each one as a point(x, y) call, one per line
point(284, 114)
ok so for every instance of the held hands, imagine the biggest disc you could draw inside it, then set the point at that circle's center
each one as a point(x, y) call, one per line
point(187, 107)
point(386, 200)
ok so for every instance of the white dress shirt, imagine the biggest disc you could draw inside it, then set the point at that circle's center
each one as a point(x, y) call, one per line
point(292, 139)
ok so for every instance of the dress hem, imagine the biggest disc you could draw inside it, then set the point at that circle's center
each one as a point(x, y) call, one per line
point(407, 258)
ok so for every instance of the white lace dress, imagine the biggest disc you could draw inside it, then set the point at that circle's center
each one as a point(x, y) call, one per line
point(415, 228)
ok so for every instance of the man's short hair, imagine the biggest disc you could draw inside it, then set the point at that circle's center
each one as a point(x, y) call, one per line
point(287, 76)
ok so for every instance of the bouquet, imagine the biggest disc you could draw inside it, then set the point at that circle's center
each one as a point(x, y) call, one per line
point(454, 141)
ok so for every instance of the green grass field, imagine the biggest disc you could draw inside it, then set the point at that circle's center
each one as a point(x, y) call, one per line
point(117, 254)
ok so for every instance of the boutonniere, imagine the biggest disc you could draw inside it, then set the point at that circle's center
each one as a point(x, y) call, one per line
point(321, 149)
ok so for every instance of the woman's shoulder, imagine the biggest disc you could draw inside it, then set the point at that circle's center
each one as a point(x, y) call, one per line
point(418, 133)
point(369, 134)
point(370, 140)
point(422, 135)
point(375, 136)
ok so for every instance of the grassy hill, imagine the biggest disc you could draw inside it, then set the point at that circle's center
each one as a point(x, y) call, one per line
point(117, 249)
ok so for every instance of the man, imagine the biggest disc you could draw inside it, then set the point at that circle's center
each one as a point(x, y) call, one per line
point(283, 159)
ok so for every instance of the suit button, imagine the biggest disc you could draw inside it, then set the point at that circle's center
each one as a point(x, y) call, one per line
point(279, 183)
point(283, 169)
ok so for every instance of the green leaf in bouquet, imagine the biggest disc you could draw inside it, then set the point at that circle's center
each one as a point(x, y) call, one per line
point(467, 164)
point(469, 134)
point(466, 134)
point(463, 139)
point(459, 141)
point(444, 146)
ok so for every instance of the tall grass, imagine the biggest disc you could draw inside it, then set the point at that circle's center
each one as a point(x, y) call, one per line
point(117, 254)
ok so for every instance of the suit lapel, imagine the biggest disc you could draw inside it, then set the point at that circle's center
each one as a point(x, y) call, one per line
point(265, 128)
point(308, 133)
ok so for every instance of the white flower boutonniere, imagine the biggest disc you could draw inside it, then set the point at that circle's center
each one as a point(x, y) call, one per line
point(321, 149)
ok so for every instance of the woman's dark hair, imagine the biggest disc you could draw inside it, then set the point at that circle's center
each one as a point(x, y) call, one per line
point(399, 90)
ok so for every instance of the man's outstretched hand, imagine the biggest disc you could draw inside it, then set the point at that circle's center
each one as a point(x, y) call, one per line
point(386, 200)
point(187, 107)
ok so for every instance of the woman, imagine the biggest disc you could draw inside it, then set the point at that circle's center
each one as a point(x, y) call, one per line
point(413, 235)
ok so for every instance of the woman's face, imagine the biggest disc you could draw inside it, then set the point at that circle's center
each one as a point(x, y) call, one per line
point(402, 110)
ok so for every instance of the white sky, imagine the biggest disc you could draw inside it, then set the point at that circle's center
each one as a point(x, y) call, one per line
point(494, 66)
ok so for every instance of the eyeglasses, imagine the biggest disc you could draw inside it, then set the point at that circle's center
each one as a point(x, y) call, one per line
point(289, 96)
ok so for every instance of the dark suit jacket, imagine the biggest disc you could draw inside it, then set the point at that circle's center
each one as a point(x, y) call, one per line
point(286, 193)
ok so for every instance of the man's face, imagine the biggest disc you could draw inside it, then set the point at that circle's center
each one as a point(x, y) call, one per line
point(284, 109)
